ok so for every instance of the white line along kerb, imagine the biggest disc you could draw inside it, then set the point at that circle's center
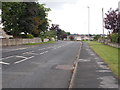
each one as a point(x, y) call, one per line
point(23, 60)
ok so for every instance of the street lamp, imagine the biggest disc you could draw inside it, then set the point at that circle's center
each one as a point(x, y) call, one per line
point(103, 21)
point(88, 21)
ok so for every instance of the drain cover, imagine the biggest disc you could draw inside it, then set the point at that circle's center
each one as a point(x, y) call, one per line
point(65, 67)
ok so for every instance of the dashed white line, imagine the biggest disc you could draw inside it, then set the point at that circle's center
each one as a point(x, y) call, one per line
point(43, 52)
point(23, 60)
point(42, 49)
point(27, 52)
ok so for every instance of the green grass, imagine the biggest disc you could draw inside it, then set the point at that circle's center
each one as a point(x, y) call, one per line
point(108, 54)
point(40, 43)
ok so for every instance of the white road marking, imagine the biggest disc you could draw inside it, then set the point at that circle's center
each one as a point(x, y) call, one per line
point(32, 53)
point(27, 52)
point(84, 60)
point(42, 49)
point(43, 52)
point(1, 62)
point(23, 60)
point(21, 56)
point(103, 71)
point(7, 57)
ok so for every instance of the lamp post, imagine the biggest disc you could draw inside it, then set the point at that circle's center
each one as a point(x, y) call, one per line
point(103, 24)
point(88, 22)
point(119, 6)
point(103, 21)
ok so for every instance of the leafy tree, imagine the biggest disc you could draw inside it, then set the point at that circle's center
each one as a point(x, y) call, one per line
point(11, 13)
point(97, 37)
point(61, 34)
point(112, 20)
point(56, 28)
point(27, 17)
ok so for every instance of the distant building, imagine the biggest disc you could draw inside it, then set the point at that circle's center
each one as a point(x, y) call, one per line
point(81, 37)
point(3, 34)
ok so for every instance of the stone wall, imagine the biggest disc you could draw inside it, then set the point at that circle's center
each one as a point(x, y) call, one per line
point(108, 42)
point(10, 42)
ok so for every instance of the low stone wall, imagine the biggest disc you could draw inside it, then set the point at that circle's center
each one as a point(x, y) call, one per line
point(114, 45)
point(107, 42)
point(10, 42)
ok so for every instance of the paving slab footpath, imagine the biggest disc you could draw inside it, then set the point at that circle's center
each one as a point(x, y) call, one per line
point(92, 72)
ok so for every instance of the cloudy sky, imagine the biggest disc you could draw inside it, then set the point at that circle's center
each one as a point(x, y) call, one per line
point(72, 15)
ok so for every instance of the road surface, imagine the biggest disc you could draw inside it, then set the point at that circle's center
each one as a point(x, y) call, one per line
point(40, 66)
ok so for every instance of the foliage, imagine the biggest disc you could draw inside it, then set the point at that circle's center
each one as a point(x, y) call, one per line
point(71, 37)
point(22, 36)
point(27, 17)
point(112, 20)
point(97, 37)
point(61, 34)
point(115, 37)
point(50, 34)
point(29, 36)
point(42, 36)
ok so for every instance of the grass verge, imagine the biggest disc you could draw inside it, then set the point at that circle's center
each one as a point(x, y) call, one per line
point(108, 54)
point(40, 43)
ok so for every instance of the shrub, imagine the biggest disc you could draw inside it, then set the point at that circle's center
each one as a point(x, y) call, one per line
point(71, 38)
point(22, 36)
point(115, 37)
point(29, 36)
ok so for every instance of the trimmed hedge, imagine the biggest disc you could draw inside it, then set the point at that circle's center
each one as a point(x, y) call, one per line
point(29, 36)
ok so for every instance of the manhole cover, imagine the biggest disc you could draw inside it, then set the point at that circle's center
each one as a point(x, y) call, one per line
point(64, 67)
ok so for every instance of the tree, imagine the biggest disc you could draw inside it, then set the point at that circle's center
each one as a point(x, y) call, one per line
point(112, 20)
point(11, 13)
point(56, 28)
point(27, 17)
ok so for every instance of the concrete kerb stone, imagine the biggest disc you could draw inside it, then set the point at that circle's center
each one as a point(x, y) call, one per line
point(75, 67)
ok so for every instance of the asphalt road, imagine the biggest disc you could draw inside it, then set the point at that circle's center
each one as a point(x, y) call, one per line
point(40, 66)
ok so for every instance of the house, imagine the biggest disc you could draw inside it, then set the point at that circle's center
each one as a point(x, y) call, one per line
point(3, 34)
point(78, 37)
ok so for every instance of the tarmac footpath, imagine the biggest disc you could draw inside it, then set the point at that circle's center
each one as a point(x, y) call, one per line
point(92, 72)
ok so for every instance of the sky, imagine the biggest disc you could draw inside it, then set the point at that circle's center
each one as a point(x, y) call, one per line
point(72, 15)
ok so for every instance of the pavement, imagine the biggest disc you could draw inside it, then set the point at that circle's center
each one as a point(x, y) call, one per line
point(92, 72)
point(38, 66)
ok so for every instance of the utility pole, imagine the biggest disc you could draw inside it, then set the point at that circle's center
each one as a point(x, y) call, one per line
point(88, 22)
point(103, 21)
point(119, 6)
point(103, 24)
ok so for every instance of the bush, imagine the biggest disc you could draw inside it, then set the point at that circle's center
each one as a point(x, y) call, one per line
point(71, 38)
point(29, 36)
point(115, 37)
point(22, 36)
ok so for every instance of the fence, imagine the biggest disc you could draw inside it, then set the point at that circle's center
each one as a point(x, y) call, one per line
point(10, 42)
